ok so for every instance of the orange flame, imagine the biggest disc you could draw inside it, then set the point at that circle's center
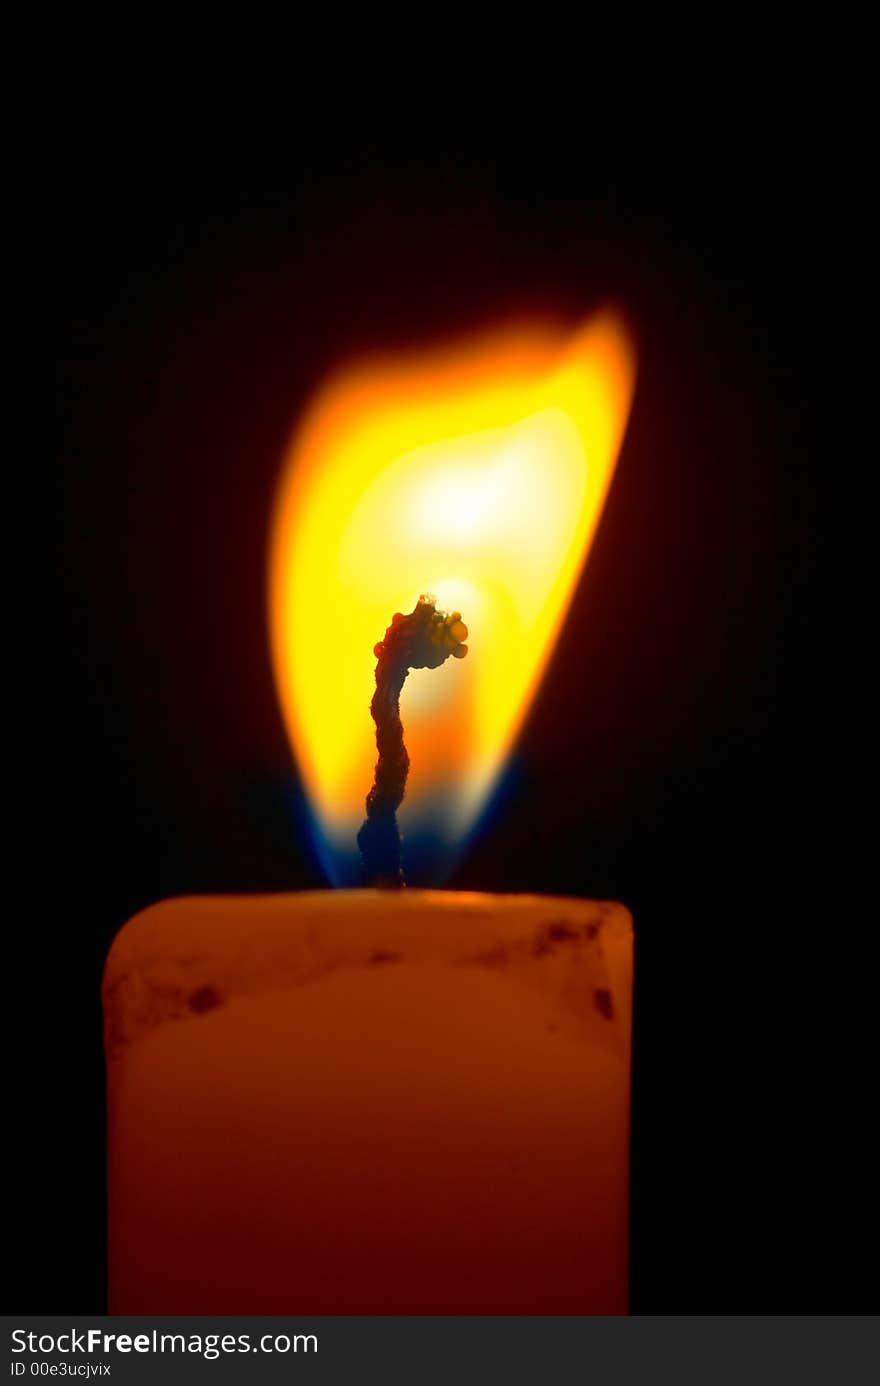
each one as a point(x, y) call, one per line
point(477, 474)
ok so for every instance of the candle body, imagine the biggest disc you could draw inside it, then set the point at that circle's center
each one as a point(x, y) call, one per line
point(367, 1102)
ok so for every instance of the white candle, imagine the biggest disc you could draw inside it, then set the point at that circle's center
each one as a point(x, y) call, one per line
point(369, 1102)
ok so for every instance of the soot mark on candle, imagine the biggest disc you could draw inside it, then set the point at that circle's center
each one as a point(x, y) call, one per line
point(204, 999)
point(546, 939)
point(603, 1003)
point(560, 932)
point(380, 956)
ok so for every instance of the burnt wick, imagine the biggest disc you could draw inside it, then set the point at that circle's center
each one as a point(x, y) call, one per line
point(424, 639)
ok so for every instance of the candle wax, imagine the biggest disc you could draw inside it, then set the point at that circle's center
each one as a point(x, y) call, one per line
point(366, 1102)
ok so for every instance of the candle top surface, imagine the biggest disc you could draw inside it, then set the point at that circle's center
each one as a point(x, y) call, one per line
point(186, 956)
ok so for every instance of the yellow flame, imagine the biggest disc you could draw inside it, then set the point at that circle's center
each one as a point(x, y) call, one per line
point(477, 474)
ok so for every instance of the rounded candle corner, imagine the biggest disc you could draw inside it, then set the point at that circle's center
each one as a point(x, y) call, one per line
point(149, 922)
point(620, 922)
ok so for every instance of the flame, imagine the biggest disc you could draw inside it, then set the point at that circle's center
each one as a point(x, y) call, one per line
point(477, 474)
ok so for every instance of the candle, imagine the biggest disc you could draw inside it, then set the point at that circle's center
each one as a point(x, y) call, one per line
point(369, 1102)
point(388, 1101)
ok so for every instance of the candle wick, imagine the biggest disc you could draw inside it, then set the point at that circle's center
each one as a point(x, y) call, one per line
point(423, 639)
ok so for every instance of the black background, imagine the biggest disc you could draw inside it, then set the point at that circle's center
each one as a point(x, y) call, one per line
point(209, 211)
